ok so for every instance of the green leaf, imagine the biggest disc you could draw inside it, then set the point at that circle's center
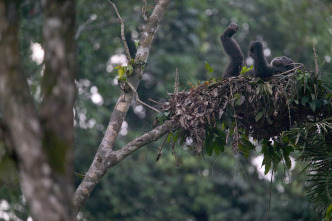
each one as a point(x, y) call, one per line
point(259, 115)
point(268, 88)
point(208, 142)
point(269, 120)
point(129, 70)
point(304, 100)
point(267, 165)
point(312, 105)
point(208, 147)
point(219, 145)
point(246, 69)
point(136, 43)
point(329, 213)
point(169, 137)
point(121, 72)
point(246, 146)
point(176, 136)
point(207, 67)
point(239, 99)
point(288, 162)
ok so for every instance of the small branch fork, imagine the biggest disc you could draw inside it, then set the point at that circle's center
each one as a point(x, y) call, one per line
point(139, 101)
point(122, 31)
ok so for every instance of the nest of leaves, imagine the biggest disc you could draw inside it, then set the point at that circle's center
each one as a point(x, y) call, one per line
point(260, 108)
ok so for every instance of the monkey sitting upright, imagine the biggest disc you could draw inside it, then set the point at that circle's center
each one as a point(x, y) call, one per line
point(233, 50)
point(234, 67)
point(261, 68)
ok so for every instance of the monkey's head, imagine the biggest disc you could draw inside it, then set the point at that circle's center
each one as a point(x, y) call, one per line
point(282, 61)
point(254, 48)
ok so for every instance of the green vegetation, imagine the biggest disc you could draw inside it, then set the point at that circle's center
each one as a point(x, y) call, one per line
point(222, 185)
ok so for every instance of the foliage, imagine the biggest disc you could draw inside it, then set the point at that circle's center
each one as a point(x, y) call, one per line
point(188, 35)
point(245, 69)
point(314, 142)
point(210, 113)
point(222, 107)
point(197, 189)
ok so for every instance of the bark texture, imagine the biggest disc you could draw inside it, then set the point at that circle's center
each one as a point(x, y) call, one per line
point(44, 186)
point(106, 156)
point(59, 94)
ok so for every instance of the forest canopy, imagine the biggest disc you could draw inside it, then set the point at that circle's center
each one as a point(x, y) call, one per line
point(238, 149)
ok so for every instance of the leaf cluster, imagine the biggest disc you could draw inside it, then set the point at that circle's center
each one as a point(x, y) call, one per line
point(284, 114)
point(216, 113)
point(314, 142)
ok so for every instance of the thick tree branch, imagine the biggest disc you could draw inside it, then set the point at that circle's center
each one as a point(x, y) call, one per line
point(107, 158)
point(105, 151)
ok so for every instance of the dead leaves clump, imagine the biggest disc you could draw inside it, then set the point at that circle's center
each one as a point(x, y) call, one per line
point(262, 108)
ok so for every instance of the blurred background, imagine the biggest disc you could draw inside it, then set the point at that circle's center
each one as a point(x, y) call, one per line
point(190, 187)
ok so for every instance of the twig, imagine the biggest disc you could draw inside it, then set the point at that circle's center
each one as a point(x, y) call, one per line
point(176, 84)
point(156, 102)
point(122, 31)
point(160, 151)
point(86, 26)
point(145, 11)
point(291, 70)
point(173, 153)
point(316, 62)
point(138, 100)
point(268, 211)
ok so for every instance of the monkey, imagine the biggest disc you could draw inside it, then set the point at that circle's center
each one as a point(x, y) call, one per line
point(284, 61)
point(233, 51)
point(261, 68)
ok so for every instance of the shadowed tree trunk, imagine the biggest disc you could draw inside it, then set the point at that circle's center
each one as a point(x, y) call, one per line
point(43, 144)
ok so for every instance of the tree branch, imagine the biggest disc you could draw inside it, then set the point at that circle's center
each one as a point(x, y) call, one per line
point(105, 151)
point(138, 101)
point(107, 158)
point(122, 31)
point(87, 26)
point(145, 10)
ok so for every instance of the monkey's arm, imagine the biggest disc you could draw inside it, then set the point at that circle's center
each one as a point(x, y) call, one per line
point(233, 50)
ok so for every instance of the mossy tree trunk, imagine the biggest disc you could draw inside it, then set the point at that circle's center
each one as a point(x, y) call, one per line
point(42, 141)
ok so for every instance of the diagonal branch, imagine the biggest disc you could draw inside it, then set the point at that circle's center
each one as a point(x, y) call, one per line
point(107, 158)
point(105, 152)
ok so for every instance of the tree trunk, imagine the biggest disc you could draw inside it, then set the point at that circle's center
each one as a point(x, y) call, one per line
point(46, 186)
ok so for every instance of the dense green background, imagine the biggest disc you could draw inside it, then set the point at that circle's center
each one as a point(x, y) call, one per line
point(222, 187)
